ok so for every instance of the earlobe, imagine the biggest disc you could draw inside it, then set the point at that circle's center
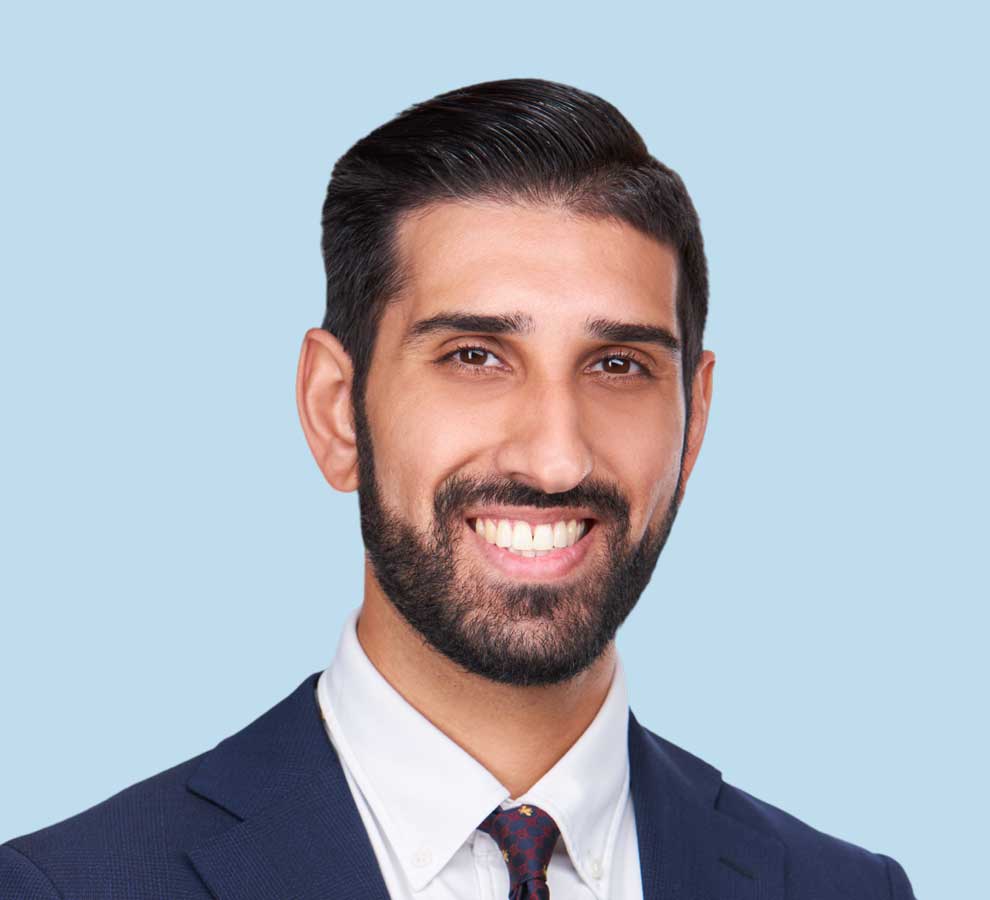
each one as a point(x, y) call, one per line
point(323, 396)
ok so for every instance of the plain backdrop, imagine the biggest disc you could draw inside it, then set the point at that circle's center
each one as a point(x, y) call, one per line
point(172, 561)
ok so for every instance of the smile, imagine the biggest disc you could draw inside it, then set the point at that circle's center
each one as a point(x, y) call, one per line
point(544, 550)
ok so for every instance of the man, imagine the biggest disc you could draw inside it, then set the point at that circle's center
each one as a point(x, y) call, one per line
point(511, 374)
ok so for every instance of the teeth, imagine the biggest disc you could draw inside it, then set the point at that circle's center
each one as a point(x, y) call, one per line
point(521, 538)
point(503, 533)
point(543, 537)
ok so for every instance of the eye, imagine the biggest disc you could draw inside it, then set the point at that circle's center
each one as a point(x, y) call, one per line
point(622, 369)
point(458, 357)
point(476, 355)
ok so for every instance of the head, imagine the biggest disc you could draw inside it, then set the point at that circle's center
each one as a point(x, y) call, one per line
point(516, 299)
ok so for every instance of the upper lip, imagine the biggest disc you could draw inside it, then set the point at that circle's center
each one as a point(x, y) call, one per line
point(533, 516)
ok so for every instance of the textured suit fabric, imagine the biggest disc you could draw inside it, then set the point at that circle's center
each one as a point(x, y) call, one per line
point(268, 814)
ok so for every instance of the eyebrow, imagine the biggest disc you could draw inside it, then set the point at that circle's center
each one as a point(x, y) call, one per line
point(522, 324)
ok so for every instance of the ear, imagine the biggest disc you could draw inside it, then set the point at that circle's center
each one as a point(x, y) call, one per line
point(701, 400)
point(323, 396)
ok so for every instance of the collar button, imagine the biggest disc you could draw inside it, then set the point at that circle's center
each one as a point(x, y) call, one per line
point(422, 857)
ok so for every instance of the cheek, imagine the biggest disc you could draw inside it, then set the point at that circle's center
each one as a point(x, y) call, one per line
point(643, 437)
point(648, 460)
point(650, 451)
point(422, 443)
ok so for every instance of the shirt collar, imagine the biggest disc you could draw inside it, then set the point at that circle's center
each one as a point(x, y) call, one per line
point(429, 795)
point(586, 790)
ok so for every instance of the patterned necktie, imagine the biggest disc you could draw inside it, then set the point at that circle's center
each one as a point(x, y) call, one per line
point(526, 836)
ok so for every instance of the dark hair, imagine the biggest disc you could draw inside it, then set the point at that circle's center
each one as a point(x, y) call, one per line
point(518, 140)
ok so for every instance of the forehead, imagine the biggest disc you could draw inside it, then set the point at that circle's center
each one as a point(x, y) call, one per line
point(559, 268)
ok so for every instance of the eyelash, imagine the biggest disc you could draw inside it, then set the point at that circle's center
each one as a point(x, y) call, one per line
point(480, 371)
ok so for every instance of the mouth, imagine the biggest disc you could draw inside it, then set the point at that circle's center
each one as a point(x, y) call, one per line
point(542, 551)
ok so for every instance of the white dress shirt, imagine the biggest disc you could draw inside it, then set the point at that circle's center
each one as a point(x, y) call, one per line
point(421, 796)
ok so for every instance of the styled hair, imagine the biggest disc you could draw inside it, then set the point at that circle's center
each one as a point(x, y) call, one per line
point(520, 140)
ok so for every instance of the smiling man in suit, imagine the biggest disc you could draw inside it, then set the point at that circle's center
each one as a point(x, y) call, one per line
point(511, 375)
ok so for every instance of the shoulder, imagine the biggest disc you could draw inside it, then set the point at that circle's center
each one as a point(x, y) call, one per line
point(811, 863)
point(132, 838)
point(137, 843)
point(815, 857)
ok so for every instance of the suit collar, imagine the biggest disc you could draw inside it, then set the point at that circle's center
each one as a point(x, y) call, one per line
point(298, 833)
point(688, 849)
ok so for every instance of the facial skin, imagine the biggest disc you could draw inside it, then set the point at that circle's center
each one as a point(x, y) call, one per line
point(554, 423)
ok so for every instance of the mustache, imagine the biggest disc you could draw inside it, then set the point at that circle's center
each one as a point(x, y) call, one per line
point(459, 492)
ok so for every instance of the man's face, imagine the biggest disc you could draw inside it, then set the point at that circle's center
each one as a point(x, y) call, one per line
point(542, 424)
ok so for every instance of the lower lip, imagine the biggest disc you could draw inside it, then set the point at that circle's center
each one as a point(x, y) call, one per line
point(553, 565)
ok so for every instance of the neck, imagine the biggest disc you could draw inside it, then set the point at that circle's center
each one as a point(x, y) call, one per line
point(516, 733)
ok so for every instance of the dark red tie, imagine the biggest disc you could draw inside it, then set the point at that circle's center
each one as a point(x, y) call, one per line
point(526, 835)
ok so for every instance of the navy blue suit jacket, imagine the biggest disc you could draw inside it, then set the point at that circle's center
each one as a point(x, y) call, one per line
point(268, 815)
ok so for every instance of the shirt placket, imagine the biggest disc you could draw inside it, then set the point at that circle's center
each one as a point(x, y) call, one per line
point(489, 867)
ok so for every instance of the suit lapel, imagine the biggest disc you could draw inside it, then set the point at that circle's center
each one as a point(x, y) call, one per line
point(688, 849)
point(299, 834)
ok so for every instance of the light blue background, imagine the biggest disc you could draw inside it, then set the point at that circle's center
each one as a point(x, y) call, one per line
point(172, 561)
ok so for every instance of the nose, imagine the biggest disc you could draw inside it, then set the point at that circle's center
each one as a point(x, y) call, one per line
point(544, 444)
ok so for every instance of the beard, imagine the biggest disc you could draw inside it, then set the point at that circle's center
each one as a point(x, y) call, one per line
point(503, 629)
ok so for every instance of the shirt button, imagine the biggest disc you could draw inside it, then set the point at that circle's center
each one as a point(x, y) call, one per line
point(422, 857)
point(596, 868)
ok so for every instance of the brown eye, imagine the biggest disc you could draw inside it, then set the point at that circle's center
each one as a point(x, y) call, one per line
point(471, 355)
point(472, 358)
point(477, 359)
point(618, 366)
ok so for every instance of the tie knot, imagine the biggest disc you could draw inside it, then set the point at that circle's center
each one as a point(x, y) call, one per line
point(526, 835)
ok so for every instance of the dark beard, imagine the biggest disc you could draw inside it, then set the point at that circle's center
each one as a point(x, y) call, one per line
point(508, 632)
